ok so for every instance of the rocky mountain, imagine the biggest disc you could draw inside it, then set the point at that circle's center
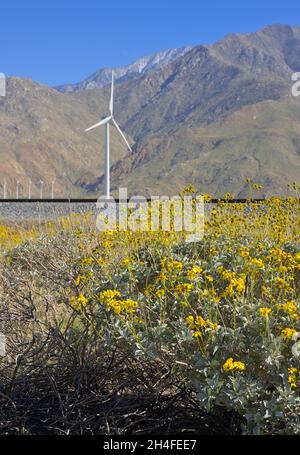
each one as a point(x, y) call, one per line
point(260, 141)
point(212, 117)
point(42, 138)
point(141, 66)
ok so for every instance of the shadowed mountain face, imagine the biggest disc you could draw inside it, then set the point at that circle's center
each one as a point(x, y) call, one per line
point(212, 117)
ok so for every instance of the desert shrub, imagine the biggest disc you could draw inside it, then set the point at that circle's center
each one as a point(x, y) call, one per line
point(119, 314)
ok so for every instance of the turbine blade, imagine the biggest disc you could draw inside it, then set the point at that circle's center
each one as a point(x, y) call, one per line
point(102, 122)
point(111, 103)
point(122, 134)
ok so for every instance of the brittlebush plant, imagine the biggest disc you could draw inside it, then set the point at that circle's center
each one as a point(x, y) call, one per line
point(222, 313)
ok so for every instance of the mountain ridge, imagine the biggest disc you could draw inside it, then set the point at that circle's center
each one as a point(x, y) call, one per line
point(140, 66)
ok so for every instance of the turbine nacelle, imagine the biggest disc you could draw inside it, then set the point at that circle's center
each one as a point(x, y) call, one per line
point(110, 119)
point(102, 122)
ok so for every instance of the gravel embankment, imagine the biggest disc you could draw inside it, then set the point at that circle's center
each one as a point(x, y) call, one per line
point(18, 211)
point(41, 211)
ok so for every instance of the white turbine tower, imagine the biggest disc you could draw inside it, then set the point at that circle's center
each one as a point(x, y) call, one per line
point(4, 189)
point(17, 189)
point(41, 188)
point(110, 120)
point(52, 188)
point(29, 188)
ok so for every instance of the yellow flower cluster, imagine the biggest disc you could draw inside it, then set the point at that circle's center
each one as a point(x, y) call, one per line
point(288, 333)
point(9, 237)
point(78, 302)
point(231, 365)
point(290, 308)
point(237, 285)
point(264, 311)
point(81, 279)
point(109, 294)
point(86, 262)
point(183, 288)
point(282, 284)
point(293, 377)
point(126, 306)
point(111, 299)
point(209, 278)
point(190, 189)
point(244, 252)
point(171, 265)
point(160, 293)
point(194, 272)
point(126, 262)
point(197, 323)
point(257, 263)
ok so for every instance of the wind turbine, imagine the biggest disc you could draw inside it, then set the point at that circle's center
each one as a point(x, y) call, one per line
point(41, 188)
point(52, 188)
point(17, 189)
point(4, 189)
point(29, 188)
point(110, 120)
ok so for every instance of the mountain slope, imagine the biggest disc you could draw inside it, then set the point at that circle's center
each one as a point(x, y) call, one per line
point(42, 137)
point(261, 141)
point(207, 83)
point(141, 66)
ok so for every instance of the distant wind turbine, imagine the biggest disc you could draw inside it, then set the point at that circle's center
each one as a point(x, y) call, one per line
point(29, 188)
point(52, 188)
point(17, 189)
point(110, 120)
point(4, 189)
point(41, 189)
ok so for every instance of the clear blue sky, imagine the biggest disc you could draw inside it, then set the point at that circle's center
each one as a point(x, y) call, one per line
point(64, 41)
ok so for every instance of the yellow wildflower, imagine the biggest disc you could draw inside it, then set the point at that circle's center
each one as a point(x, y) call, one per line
point(231, 365)
point(160, 293)
point(209, 278)
point(292, 370)
point(290, 308)
point(82, 300)
point(292, 378)
point(78, 302)
point(244, 252)
point(161, 277)
point(281, 283)
point(288, 333)
point(191, 321)
point(264, 312)
point(239, 285)
point(183, 288)
point(87, 261)
point(80, 279)
point(109, 294)
point(194, 272)
point(122, 306)
point(200, 321)
point(126, 262)
point(258, 263)
point(174, 266)
point(212, 325)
